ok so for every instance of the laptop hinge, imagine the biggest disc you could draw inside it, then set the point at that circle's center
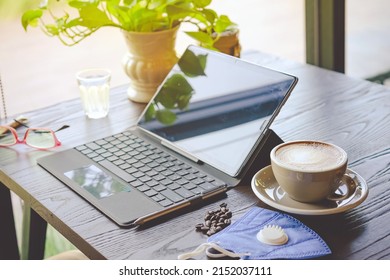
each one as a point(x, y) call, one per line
point(179, 151)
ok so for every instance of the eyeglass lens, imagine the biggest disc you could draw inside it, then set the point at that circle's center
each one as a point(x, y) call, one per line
point(6, 137)
point(40, 138)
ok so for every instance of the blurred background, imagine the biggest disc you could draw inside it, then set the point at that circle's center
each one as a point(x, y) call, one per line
point(37, 71)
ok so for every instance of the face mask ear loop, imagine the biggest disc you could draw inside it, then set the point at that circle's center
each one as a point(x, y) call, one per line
point(199, 250)
point(206, 247)
point(223, 252)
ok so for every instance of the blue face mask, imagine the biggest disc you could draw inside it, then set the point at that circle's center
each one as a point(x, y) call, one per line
point(240, 239)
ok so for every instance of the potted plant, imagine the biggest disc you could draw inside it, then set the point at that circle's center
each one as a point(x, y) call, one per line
point(149, 26)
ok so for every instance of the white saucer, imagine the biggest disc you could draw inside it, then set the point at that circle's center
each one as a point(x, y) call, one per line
point(266, 188)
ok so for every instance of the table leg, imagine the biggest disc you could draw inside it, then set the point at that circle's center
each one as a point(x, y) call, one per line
point(8, 242)
point(33, 235)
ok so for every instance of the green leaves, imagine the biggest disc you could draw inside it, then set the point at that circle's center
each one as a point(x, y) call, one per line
point(201, 3)
point(121, 13)
point(31, 18)
point(217, 25)
point(166, 116)
point(147, 20)
point(202, 37)
point(150, 113)
point(91, 17)
point(177, 13)
point(78, 4)
point(130, 15)
point(223, 23)
point(193, 65)
point(176, 92)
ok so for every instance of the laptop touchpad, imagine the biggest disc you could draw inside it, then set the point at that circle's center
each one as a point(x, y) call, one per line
point(125, 203)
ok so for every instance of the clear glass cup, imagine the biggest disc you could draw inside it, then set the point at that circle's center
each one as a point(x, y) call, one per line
point(94, 85)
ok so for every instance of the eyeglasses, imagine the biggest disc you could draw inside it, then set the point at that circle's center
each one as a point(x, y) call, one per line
point(38, 138)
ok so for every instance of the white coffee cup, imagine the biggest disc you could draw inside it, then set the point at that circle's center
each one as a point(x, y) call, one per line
point(310, 171)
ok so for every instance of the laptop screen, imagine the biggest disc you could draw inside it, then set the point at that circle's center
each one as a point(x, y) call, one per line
point(215, 107)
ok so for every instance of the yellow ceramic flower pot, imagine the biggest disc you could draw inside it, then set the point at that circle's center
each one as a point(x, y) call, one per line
point(150, 57)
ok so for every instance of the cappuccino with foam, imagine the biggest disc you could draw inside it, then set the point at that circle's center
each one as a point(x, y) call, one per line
point(310, 171)
point(310, 156)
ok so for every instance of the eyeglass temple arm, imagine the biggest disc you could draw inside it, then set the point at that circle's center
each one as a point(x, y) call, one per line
point(62, 127)
point(19, 121)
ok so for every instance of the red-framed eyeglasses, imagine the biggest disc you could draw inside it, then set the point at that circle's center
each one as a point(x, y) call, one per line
point(38, 138)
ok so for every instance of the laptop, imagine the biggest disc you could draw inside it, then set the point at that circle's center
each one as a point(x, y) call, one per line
point(196, 138)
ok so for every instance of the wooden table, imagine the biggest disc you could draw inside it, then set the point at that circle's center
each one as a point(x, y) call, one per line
point(327, 106)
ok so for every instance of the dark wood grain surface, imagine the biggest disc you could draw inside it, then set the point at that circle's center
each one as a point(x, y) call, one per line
point(327, 106)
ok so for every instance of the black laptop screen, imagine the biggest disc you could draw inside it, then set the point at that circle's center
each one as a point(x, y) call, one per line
point(215, 107)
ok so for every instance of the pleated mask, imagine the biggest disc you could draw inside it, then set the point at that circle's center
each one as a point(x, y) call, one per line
point(264, 234)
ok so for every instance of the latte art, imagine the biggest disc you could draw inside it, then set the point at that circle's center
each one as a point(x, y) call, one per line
point(311, 171)
point(310, 156)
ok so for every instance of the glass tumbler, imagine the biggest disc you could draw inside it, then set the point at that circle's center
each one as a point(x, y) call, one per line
point(94, 85)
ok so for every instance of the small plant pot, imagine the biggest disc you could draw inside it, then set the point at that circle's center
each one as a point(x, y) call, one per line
point(229, 43)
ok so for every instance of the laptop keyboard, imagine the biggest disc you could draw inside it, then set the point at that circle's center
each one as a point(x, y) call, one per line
point(159, 175)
